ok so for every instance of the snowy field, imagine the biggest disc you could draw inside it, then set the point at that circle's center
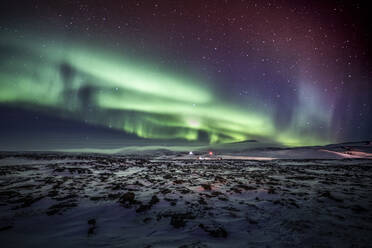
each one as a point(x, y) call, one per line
point(61, 200)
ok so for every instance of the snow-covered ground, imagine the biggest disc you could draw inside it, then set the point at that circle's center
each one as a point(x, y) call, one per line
point(92, 200)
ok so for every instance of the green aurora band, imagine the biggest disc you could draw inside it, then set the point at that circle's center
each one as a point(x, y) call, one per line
point(102, 87)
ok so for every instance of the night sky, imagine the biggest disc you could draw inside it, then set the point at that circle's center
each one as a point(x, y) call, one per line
point(116, 73)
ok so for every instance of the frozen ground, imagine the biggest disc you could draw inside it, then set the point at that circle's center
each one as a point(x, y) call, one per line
point(59, 200)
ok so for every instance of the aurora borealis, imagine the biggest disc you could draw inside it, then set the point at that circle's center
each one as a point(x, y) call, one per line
point(197, 71)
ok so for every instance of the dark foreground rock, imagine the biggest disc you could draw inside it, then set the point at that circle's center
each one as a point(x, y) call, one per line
point(144, 202)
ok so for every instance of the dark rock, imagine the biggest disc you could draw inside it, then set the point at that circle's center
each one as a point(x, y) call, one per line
point(178, 181)
point(28, 201)
point(330, 196)
point(168, 176)
point(127, 198)
point(214, 230)
point(142, 208)
point(216, 193)
point(4, 228)
point(358, 209)
point(236, 190)
point(92, 222)
point(271, 191)
point(154, 200)
point(202, 201)
point(58, 208)
point(97, 198)
point(53, 193)
point(206, 186)
point(145, 207)
point(246, 187)
point(251, 221)
point(91, 230)
point(165, 191)
point(178, 220)
point(147, 220)
point(194, 245)
point(184, 191)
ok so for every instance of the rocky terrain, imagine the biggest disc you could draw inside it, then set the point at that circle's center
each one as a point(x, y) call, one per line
point(69, 200)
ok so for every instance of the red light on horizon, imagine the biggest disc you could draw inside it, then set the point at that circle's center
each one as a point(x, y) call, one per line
point(210, 153)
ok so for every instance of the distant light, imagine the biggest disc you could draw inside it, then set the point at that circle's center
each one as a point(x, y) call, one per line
point(193, 123)
point(211, 153)
point(190, 153)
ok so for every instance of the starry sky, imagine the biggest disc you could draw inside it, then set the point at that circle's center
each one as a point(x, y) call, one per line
point(116, 73)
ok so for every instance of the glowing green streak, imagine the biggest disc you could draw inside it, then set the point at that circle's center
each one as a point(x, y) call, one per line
point(130, 96)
